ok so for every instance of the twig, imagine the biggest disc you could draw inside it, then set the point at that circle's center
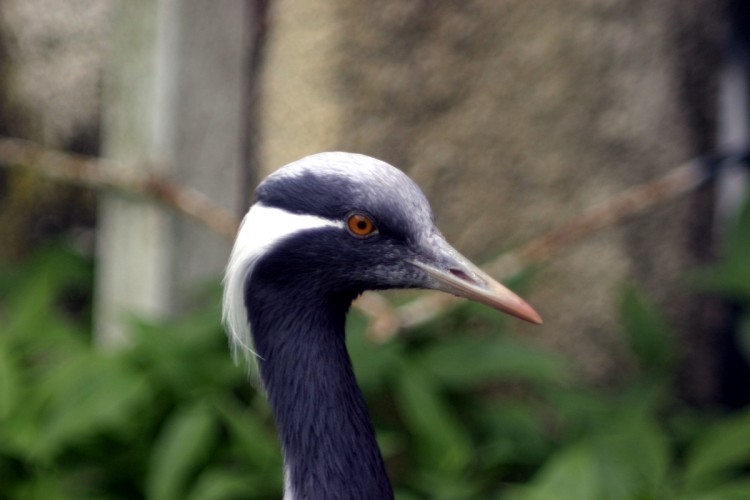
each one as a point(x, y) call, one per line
point(385, 319)
point(638, 199)
point(100, 173)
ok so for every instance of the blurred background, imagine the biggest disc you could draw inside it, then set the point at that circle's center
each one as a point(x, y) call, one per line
point(514, 117)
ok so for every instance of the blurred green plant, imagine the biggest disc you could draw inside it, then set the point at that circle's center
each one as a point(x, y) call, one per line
point(463, 410)
point(730, 278)
point(168, 417)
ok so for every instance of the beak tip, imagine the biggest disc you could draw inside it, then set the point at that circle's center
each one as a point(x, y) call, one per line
point(537, 320)
point(527, 313)
point(487, 291)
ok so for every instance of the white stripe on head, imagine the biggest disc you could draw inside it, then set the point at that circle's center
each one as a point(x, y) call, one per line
point(261, 229)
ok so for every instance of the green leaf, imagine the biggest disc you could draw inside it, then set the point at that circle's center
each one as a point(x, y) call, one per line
point(516, 433)
point(735, 490)
point(221, 484)
point(633, 458)
point(648, 333)
point(181, 448)
point(462, 362)
point(10, 382)
point(627, 461)
point(256, 441)
point(406, 495)
point(374, 363)
point(719, 451)
point(48, 486)
point(167, 348)
point(442, 441)
point(571, 474)
point(731, 277)
point(738, 244)
point(86, 395)
point(218, 484)
point(440, 486)
point(727, 279)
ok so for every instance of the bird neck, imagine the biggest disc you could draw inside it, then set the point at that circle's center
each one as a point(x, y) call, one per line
point(328, 439)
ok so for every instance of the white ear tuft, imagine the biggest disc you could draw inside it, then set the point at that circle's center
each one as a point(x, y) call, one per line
point(262, 228)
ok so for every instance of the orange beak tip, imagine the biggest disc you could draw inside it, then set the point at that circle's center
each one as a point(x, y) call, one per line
point(527, 313)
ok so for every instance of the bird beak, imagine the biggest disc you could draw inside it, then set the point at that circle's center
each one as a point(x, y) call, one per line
point(457, 275)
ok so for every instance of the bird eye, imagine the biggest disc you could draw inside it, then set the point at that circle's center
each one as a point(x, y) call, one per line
point(360, 225)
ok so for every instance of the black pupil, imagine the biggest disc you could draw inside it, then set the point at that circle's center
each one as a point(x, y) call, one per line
point(362, 224)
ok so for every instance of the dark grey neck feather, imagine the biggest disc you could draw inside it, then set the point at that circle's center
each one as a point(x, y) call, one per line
point(328, 439)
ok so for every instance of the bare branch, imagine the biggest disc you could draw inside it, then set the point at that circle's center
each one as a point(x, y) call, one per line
point(385, 319)
point(98, 173)
point(677, 182)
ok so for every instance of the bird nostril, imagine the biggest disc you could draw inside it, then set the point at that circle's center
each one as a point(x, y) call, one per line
point(461, 274)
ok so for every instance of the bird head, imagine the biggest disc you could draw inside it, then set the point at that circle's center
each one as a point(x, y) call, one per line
point(336, 224)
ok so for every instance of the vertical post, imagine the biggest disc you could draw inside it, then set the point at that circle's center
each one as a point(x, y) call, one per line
point(174, 105)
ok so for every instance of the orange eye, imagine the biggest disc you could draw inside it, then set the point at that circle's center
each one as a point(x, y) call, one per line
point(360, 225)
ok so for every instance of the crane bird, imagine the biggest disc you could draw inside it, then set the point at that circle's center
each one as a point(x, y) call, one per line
point(322, 230)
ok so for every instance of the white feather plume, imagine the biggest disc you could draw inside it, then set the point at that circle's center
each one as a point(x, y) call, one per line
point(262, 228)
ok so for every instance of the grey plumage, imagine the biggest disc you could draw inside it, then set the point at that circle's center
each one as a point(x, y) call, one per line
point(298, 262)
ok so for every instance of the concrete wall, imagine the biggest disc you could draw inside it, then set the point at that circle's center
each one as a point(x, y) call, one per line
point(514, 116)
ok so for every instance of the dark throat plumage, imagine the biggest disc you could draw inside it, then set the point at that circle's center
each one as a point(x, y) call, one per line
point(329, 444)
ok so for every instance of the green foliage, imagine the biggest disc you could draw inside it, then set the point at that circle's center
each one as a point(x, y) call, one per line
point(169, 417)
point(181, 446)
point(731, 276)
point(463, 410)
point(648, 335)
point(719, 452)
